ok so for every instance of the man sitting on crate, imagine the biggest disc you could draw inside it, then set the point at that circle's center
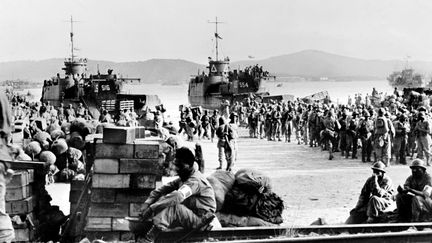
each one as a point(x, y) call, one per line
point(375, 197)
point(186, 202)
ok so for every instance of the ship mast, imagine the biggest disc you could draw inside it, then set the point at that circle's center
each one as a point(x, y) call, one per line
point(71, 36)
point(217, 37)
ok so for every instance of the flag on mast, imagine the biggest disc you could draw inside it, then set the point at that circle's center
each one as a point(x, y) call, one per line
point(218, 36)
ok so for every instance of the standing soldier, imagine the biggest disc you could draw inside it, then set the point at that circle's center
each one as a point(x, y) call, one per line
point(226, 146)
point(423, 131)
point(343, 132)
point(214, 123)
point(412, 135)
point(312, 125)
point(252, 123)
point(277, 123)
point(382, 138)
point(364, 131)
point(331, 125)
point(351, 136)
point(205, 121)
point(297, 125)
point(402, 128)
point(269, 123)
point(305, 124)
point(261, 123)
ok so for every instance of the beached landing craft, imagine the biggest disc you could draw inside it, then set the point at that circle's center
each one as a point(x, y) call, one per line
point(221, 83)
point(95, 91)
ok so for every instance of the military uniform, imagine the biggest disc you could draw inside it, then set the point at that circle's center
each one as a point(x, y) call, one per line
point(182, 204)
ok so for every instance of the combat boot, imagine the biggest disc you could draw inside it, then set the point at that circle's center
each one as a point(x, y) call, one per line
point(150, 236)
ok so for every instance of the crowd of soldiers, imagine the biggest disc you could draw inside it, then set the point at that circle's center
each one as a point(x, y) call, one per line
point(384, 133)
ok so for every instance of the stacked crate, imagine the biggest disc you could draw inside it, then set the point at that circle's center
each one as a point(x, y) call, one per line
point(125, 170)
point(20, 202)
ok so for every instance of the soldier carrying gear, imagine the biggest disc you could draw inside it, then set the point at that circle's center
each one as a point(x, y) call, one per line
point(382, 138)
point(186, 202)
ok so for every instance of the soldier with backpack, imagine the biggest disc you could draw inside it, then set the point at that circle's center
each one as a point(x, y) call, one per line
point(381, 141)
point(423, 131)
point(364, 131)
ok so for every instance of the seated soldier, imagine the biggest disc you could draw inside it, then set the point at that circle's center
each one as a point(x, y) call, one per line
point(186, 202)
point(375, 196)
point(414, 198)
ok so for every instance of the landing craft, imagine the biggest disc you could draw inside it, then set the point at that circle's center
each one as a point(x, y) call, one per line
point(210, 90)
point(94, 91)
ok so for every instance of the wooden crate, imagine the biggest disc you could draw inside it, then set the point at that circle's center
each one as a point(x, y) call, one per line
point(146, 149)
point(142, 181)
point(119, 135)
point(19, 179)
point(20, 207)
point(108, 236)
point(120, 224)
point(108, 166)
point(103, 195)
point(109, 210)
point(18, 193)
point(140, 166)
point(23, 235)
point(110, 181)
point(131, 195)
point(135, 209)
point(98, 224)
point(113, 151)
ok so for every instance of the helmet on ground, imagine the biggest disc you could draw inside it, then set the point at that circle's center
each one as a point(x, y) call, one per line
point(418, 163)
point(380, 166)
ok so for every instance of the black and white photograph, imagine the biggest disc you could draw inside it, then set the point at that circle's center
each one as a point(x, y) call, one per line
point(215, 121)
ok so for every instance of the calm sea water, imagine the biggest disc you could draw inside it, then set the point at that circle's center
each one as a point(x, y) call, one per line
point(173, 96)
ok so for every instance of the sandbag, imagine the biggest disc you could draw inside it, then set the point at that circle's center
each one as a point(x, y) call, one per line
point(252, 180)
point(222, 182)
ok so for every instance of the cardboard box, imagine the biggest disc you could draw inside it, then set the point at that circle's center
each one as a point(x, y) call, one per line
point(108, 166)
point(111, 181)
point(119, 135)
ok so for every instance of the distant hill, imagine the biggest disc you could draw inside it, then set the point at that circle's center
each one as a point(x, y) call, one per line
point(309, 64)
point(315, 64)
point(150, 71)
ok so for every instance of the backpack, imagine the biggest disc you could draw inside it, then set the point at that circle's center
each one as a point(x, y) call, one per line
point(381, 126)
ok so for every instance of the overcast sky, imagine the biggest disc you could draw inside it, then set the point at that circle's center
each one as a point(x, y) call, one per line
point(137, 30)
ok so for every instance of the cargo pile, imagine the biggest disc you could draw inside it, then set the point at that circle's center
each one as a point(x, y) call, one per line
point(20, 204)
point(127, 165)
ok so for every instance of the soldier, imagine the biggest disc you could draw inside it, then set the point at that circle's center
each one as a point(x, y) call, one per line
point(331, 125)
point(205, 123)
point(261, 123)
point(343, 132)
point(277, 123)
point(364, 131)
point(226, 146)
point(312, 127)
point(298, 125)
point(375, 197)
point(252, 123)
point(187, 202)
point(423, 131)
point(381, 140)
point(351, 136)
point(414, 198)
point(214, 123)
point(402, 128)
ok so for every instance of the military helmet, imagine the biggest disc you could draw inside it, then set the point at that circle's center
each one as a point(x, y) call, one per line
point(418, 163)
point(380, 166)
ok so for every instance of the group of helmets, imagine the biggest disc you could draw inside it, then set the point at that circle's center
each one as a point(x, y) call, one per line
point(417, 163)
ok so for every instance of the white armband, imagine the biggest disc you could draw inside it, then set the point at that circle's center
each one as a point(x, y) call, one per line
point(185, 191)
point(427, 190)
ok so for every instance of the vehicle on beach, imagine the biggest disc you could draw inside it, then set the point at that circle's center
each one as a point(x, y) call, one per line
point(221, 83)
point(94, 91)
